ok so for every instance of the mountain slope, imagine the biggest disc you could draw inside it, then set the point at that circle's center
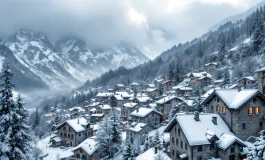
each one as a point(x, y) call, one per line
point(67, 64)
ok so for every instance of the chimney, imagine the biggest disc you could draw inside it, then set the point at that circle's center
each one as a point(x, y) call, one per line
point(77, 121)
point(214, 119)
point(196, 116)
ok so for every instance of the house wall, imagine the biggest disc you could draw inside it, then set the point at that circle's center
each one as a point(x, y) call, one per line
point(246, 83)
point(225, 154)
point(261, 82)
point(95, 155)
point(152, 119)
point(138, 138)
point(236, 118)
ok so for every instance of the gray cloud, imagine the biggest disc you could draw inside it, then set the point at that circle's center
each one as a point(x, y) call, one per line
point(104, 22)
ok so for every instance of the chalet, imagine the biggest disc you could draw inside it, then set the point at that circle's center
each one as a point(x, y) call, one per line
point(119, 87)
point(152, 92)
point(202, 136)
point(242, 110)
point(87, 150)
point(101, 97)
point(248, 82)
point(167, 85)
point(136, 133)
point(134, 86)
point(149, 116)
point(210, 67)
point(76, 109)
point(261, 79)
point(218, 82)
point(91, 105)
point(127, 109)
point(74, 131)
point(180, 91)
point(96, 117)
point(158, 83)
point(103, 109)
point(150, 85)
point(142, 101)
point(56, 141)
point(201, 79)
point(115, 100)
point(164, 105)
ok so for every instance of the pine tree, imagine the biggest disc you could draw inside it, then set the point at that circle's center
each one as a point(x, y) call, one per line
point(174, 110)
point(36, 122)
point(128, 153)
point(109, 135)
point(14, 142)
point(226, 77)
point(258, 33)
point(177, 73)
point(170, 75)
point(222, 48)
point(257, 151)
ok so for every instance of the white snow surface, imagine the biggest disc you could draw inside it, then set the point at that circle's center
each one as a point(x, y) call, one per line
point(143, 112)
point(136, 127)
point(150, 155)
point(195, 131)
point(89, 146)
point(227, 139)
point(77, 124)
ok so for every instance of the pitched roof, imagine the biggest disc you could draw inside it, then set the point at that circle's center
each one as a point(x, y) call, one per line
point(129, 105)
point(143, 99)
point(106, 94)
point(166, 99)
point(227, 140)
point(232, 97)
point(78, 124)
point(144, 112)
point(136, 127)
point(260, 70)
point(198, 134)
point(251, 78)
point(213, 63)
point(89, 146)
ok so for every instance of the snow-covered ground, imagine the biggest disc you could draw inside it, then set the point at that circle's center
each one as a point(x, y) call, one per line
point(53, 153)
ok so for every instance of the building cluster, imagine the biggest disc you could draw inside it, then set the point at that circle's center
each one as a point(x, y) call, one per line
point(220, 129)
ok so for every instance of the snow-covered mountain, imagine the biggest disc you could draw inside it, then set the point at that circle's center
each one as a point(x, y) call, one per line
point(67, 64)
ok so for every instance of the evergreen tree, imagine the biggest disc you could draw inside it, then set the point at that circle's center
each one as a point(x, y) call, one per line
point(14, 142)
point(170, 75)
point(36, 122)
point(226, 77)
point(128, 153)
point(174, 110)
point(177, 73)
point(222, 48)
point(258, 34)
point(257, 151)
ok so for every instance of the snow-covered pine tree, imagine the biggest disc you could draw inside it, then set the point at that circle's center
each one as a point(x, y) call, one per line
point(14, 142)
point(36, 122)
point(170, 75)
point(222, 49)
point(257, 151)
point(146, 143)
point(177, 73)
point(108, 136)
point(128, 153)
point(174, 110)
point(226, 77)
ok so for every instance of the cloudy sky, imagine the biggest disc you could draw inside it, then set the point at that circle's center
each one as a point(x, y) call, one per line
point(151, 25)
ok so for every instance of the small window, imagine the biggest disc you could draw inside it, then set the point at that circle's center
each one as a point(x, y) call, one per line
point(218, 108)
point(212, 144)
point(172, 140)
point(260, 124)
point(250, 110)
point(199, 148)
point(212, 108)
point(257, 110)
point(186, 146)
point(232, 150)
point(181, 144)
point(199, 158)
point(179, 132)
point(70, 129)
point(254, 100)
point(177, 141)
point(64, 128)
point(173, 152)
point(217, 100)
point(243, 126)
point(77, 155)
point(224, 109)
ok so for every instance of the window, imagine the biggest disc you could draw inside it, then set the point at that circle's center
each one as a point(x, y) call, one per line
point(61, 134)
point(68, 135)
point(173, 152)
point(179, 132)
point(212, 108)
point(217, 99)
point(218, 108)
point(81, 151)
point(260, 124)
point(172, 140)
point(84, 157)
point(254, 100)
point(72, 136)
point(181, 144)
point(250, 110)
point(177, 141)
point(199, 158)
point(79, 134)
point(199, 148)
point(232, 150)
point(257, 110)
point(64, 128)
point(64, 134)
point(186, 146)
point(77, 155)
point(224, 109)
point(243, 126)
point(70, 129)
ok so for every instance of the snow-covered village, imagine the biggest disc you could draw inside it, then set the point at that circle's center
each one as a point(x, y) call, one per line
point(132, 80)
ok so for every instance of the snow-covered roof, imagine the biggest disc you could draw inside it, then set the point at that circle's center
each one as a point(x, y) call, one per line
point(167, 81)
point(123, 94)
point(57, 139)
point(150, 89)
point(213, 63)
point(144, 112)
point(227, 139)
point(134, 84)
point(106, 94)
point(119, 85)
point(104, 106)
point(218, 81)
point(233, 98)
point(251, 78)
point(129, 105)
point(201, 74)
point(209, 92)
point(143, 99)
point(233, 86)
point(97, 115)
point(151, 85)
point(78, 124)
point(93, 109)
point(79, 109)
point(152, 105)
point(150, 155)
point(183, 88)
point(165, 99)
point(260, 70)
point(197, 134)
point(136, 127)
point(93, 104)
point(89, 146)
